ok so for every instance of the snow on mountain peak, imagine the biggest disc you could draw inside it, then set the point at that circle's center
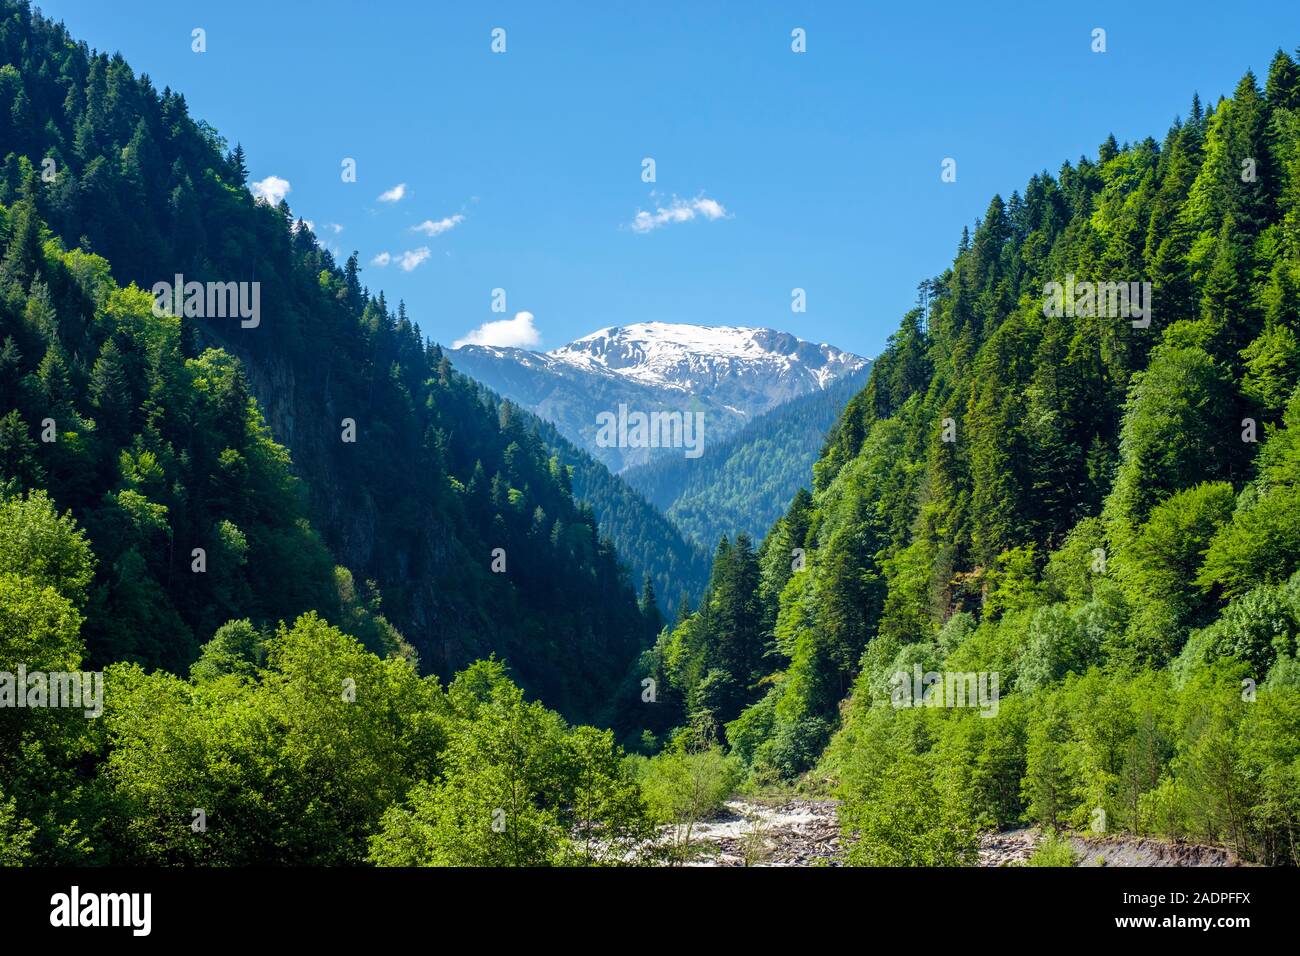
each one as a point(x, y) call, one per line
point(729, 374)
point(678, 355)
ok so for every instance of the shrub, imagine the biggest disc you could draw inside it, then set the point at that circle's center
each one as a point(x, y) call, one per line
point(681, 788)
point(1054, 849)
point(905, 820)
point(793, 747)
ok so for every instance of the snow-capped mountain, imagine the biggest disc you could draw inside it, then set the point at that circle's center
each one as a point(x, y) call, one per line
point(668, 355)
point(728, 375)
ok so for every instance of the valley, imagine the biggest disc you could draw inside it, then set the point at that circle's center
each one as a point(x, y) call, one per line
point(349, 598)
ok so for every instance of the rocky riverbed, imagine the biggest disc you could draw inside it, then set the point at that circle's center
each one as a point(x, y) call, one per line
point(805, 832)
point(1015, 846)
point(788, 833)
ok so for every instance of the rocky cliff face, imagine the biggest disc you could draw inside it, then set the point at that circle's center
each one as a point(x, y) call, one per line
point(302, 410)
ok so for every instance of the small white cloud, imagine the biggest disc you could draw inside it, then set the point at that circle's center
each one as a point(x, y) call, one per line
point(446, 224)
point(334, 227)
point(709, 208)
point(519, 333)
point(381, 260)
point(393, 195)
point(679, 210)
point(412, 258)
point(272, 189)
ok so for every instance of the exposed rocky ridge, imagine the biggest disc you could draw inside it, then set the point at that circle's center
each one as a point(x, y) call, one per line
point(1012, 847)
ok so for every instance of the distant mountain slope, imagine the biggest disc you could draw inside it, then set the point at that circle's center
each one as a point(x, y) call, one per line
point(731, 375)
point(746, 483)
point(646, 541)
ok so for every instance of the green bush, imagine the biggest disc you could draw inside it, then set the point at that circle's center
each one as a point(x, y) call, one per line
point(903, 819)
point(1054, 849)
point(793, 748)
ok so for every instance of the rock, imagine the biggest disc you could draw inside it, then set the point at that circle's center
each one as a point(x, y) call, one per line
point(793, 833)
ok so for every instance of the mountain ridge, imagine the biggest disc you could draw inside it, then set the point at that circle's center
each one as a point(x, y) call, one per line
point(730, 373)
point(748, 482)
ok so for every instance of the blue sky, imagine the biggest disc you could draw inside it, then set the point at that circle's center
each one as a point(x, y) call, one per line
point(779, 170)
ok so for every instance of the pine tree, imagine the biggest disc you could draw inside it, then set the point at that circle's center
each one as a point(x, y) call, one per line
point(239, 165)
point(11, 364)
point(18, 454)
point(40, 314)
point(23, 256)
point(111, 393)
point(649, 607)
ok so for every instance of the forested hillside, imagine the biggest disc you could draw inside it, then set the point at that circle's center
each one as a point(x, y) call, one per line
point(745, 483)
point(228, 587)
point(1099, 511)
point(652, 546)
point(412, 475)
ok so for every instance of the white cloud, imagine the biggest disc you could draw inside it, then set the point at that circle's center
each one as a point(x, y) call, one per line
point(710, 208)
point(446, 224)
point(518, 332)
point(334, 227)
point(679, 210)
point(272, 189)
point(408, 261)
point(411, 258)
point(393, 195)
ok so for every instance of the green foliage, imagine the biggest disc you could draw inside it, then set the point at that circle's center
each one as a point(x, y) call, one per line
point(1047, 781)
point(651, 544)
point(163, 448)
point(38, 627)
point(1255, 629)
point(1177, 431)
point(793, 747)
point(1164, 555)
point(16, 834)
point(1262, 541)
point(1013, 583)
point(684, 786)
point(714, 657)
point(237, 648)
point(1074, 567)
point(518, 789)
point(296, 764)
point(1057, 645)
point(1054, 849)
point(1272, 366)
point(39, 543)
point(1101, 514)
point(900, 818)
